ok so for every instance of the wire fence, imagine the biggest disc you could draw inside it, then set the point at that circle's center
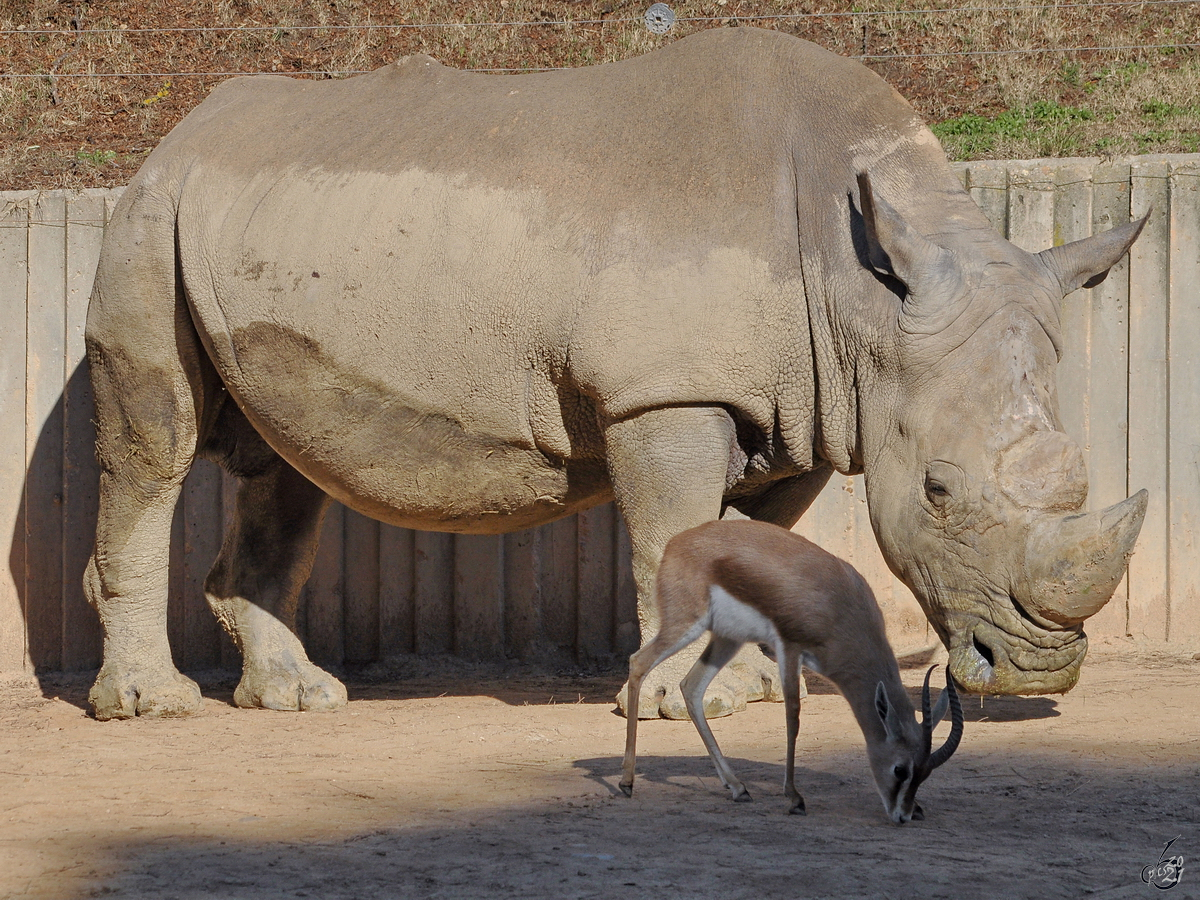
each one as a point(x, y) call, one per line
point(86, 91)
point(77, 33)
point(853, 13)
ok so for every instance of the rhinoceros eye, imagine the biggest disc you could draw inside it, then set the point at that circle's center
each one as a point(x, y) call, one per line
point(937, 492)
point(943, 481)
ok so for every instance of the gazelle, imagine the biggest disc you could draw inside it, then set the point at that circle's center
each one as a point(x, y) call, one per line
point(749, 581)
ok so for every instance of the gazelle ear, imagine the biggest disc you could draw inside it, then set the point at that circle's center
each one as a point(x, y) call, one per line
point(939, 708)
point(888, 714)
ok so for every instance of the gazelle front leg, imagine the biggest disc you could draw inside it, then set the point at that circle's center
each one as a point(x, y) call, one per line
point(670, 640)
point(716, 655)
point(789, 677)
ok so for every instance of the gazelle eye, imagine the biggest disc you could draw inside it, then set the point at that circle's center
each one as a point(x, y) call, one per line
point(901, 773)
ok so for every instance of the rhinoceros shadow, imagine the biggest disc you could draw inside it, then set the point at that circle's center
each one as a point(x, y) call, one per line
point(52, 536)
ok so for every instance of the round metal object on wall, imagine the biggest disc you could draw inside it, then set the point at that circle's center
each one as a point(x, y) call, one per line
point(660, 18)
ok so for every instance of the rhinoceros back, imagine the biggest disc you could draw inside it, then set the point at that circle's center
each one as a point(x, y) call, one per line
point(423, 274)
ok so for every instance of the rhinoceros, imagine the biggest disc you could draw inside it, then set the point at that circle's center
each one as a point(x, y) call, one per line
point(699, 282)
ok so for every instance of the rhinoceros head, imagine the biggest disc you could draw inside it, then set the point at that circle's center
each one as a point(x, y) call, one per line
point(976, 495)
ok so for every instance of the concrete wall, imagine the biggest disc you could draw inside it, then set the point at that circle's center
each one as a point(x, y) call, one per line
point(1130, 393)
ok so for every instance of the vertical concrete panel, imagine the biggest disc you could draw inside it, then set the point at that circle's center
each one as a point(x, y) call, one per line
point(523, 594)
point(1148, 402)
point(906, 623)
point(1183, 623)
point(1125, 389)
point(81, 635)
point(1073, 222)
point(396, 613)
point(597, 559)
point(1031, 206)
point(324, 606)
point(362, 577)
point(479, 596)
point(818, 523)
point(830, 521)
point(46, 323)
point(560, 579)
point(987, 183)
point(1108, 377)
point(14, 269)
point(434, 592)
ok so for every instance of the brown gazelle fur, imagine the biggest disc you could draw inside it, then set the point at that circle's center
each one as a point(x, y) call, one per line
point(749, 581)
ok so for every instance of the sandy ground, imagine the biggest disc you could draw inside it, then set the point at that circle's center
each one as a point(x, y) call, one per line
point(504, 786)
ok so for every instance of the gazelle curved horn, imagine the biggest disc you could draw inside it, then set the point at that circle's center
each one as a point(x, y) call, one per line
point(926, 722)
point(947, 749)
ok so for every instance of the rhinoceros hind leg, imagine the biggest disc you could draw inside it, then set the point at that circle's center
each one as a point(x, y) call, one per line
point(150, 392)
point(129, 591)
point(255, 583)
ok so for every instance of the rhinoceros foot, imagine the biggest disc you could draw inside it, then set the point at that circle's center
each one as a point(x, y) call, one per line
point(751, 676)
point(297, 685)
point(122, 692)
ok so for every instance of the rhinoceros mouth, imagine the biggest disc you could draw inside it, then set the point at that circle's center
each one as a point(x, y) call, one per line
point(1021, 656)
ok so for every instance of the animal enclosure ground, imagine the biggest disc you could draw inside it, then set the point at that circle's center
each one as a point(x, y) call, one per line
point(504, 787)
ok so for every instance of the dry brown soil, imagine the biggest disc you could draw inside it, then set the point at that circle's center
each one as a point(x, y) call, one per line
point(100, 82)
point(505, 786)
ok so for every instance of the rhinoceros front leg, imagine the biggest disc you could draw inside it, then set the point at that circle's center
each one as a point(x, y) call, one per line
point(669, 469)
point(255, 584)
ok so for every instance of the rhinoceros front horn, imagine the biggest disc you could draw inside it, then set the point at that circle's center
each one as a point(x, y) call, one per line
point(1073, 564)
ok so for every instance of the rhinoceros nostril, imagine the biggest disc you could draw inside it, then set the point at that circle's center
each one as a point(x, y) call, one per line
point(985, 651)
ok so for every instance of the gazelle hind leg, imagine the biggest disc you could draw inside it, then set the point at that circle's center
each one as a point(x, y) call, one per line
point(789, 677)
point(716, 655)
point(663, 646)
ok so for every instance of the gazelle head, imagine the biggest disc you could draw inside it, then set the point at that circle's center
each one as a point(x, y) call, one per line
point(904, 758)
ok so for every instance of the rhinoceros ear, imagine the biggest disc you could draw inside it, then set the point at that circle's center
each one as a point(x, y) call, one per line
point(1085, 263)
point(931, 273)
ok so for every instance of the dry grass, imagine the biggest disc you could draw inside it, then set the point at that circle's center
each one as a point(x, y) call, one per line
point(63, 130)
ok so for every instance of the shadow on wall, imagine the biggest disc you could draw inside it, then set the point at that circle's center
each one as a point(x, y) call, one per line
point(53, 534)
point(561, 594)
point(53, 538)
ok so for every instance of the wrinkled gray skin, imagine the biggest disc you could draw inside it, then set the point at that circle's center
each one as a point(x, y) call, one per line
point(475, 303)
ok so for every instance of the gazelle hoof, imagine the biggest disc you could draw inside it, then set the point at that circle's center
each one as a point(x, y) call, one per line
point(798, 808)
point(627, 789)
point(742, 797)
